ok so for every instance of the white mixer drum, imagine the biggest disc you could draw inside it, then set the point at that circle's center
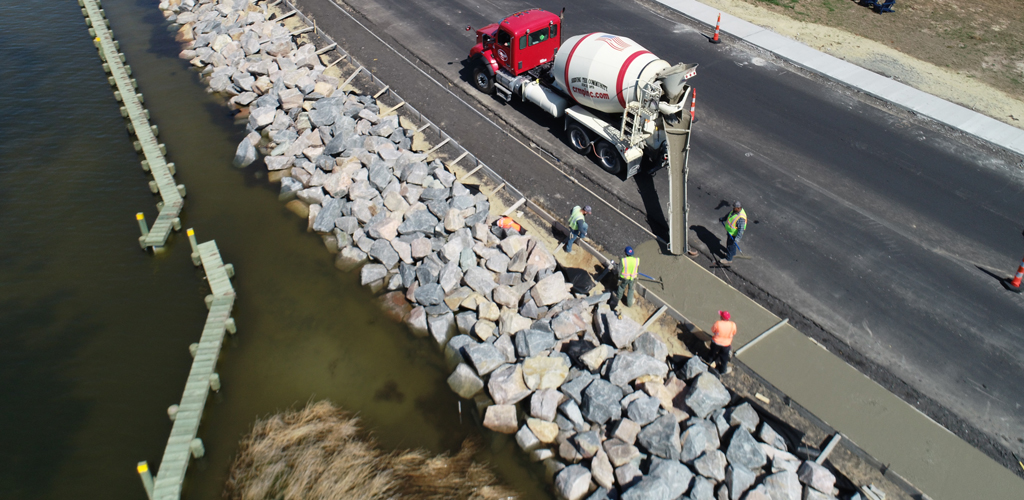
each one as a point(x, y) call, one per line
point(601, 71)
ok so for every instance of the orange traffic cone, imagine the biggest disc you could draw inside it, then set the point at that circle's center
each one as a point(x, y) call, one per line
point(1014, 284)
point(718, 25)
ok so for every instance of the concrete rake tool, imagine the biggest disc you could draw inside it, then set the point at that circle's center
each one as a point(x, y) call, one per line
point(652, 280)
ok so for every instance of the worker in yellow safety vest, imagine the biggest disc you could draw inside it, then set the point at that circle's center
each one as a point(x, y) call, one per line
point(577, 225)
point(735, 223)
point(629, 269)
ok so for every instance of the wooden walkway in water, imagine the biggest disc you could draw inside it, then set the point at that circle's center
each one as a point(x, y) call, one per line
point(120, 77)
point(182, 445)
point(178, 451)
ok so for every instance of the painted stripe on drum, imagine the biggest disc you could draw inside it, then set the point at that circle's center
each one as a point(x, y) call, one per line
point(568, 61)
point(622, 75)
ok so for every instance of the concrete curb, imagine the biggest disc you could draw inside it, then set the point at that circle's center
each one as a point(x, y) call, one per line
point(922, 103)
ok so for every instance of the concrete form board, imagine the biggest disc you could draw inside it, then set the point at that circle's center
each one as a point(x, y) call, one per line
point(892, 431)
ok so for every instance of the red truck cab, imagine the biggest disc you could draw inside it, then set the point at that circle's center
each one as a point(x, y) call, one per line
point(519, 43)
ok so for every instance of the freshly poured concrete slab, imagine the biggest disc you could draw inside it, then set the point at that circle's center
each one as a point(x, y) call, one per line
point(698, 294)
point(923, 452)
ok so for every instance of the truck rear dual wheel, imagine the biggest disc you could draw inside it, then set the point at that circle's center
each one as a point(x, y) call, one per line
point(608, 157)
point(579, 141)
point(482, 80)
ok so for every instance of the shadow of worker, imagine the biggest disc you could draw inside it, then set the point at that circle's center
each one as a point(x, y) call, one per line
point(714, 243)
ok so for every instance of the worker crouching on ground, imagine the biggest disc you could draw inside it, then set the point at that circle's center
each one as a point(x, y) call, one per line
point(721, 344)
point(735, 223)
point(577, 225)
point(629, 269)
point(508, 225)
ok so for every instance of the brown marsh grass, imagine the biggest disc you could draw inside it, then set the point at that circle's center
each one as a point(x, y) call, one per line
point(319, 453)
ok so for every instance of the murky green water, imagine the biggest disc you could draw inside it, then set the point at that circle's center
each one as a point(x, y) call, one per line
point(94, 333)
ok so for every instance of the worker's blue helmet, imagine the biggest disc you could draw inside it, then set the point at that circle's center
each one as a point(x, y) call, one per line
point(629, 250)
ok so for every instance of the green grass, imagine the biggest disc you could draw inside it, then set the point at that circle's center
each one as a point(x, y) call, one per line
point(828, 5)
point(789, 4)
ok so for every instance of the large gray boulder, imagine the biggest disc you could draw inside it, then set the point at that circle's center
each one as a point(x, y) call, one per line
point(544, 404)
point(702, 489)
point(507, 386)
point(245, 154)
point(622, 332)
point(430, 294)
point(783, 486)
point(372, 272)
point(745, 451)
point(620, 453)
point(331, 210)
point(661, 437)
point(693, 368)
point(744, 416)
point(694, 442)
point(649, 344)
point(601, 402)
point(485, 358)
point(573, 482)
point(480, 280)
point(550, 290)
point(531, 343)
point(441, 327)
point(465, 382)
point(768, 436)
point(738, 479)
point(574, 387)
point(816, 476)
point(628, 366)
point(644, 409)
point(711, 465)
point(675, 475)
point(706, 395)
point(383, 252)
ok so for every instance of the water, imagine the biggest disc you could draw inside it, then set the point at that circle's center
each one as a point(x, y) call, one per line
point(94, 333)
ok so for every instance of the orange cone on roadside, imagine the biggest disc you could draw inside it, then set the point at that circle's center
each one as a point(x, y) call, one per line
point(718, 25)
point(693, 107)
point(1014, 284)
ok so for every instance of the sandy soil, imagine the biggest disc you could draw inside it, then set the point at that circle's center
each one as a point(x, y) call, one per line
point(970, 53)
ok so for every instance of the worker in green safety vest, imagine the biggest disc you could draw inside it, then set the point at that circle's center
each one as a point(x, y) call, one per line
point(577, 225)
point(629, 269)
point(735, 223)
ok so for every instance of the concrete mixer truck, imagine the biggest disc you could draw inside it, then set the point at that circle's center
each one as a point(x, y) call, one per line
point(617, 98)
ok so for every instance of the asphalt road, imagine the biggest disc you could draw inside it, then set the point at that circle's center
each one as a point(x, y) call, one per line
point(881, 235)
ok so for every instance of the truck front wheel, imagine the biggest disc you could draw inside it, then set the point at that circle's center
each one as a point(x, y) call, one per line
point(578, 138)
point(608, 157)
point(482, 80)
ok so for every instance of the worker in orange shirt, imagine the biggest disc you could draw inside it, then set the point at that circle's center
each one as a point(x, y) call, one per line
point(508, 224)
point(721, 343)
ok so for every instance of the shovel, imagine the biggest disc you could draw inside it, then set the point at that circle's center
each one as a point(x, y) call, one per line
point(652, 280)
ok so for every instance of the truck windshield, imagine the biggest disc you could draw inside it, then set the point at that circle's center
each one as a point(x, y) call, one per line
point(504, 38)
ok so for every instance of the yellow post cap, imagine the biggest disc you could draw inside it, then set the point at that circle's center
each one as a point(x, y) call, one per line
point(139, 216)
point(143, 467)
point(191, 232)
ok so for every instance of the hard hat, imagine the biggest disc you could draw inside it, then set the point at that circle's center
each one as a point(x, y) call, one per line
point(586, 208)
point(629, 250)
point(736, 204)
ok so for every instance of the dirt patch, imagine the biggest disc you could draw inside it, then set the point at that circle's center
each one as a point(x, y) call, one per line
point(970, 53)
